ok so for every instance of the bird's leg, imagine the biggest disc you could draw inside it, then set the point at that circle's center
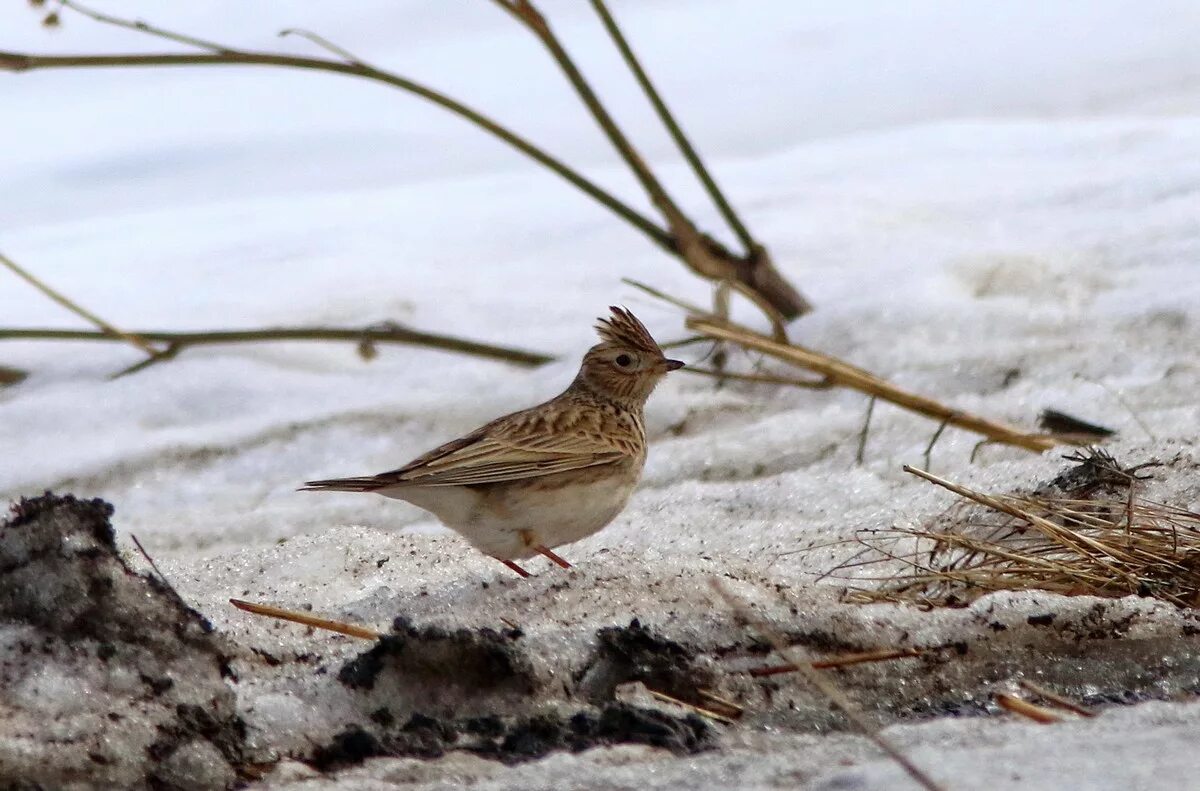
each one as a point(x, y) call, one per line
point(544, 550)
point(528, 537)
point(520, 571)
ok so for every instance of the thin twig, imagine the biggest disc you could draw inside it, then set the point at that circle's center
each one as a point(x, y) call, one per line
point(1055, 698)
point(107, 331)
point(19, 62)
point(525, 12)
point(149, 559)
point(144, 27)
point(386, 334)
point(668, 119)
point(826, 687)
point(846, 375)
point(845, 660)
point(736, 710)
point(703, 712)
point(1026, 709)
point(689, 307)
point(866, 428)
point(305, 619)
point(808, 384)
point(325, 44)
point(701, 252)
point(933, 441)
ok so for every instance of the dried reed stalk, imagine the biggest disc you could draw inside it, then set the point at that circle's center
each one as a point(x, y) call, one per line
point(304, 619)
point(843, 374)
point(835, 372)
point(387, 332)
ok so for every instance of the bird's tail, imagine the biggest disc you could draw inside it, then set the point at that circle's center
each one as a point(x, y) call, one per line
point(365, 484)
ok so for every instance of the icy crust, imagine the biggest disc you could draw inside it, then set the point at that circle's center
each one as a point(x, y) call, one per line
point(109, 678)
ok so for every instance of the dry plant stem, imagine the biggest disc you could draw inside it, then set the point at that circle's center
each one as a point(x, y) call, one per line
point(1056, 699)
point(665, 115)
point(1026, 709)
point(860, 456)
point(928, 455)
point(703, 712)
point(808, 384)
point(142, 27)
point(702, 253)
point(182, 340)
point(106, 330)
point(735, 709)
point(846, 660)
point(21, 62)
point(527, 14)
point(844, 374)
point(826, 687)
point(305, 619)
point(149, 559)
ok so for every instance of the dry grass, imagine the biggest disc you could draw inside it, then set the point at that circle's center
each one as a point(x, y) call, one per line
point(1087, 534)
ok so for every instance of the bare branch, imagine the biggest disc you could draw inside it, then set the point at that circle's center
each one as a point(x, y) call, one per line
point(324, 43)
point(844, 374)
point(390, 333)
point(143, 27)
point(704, 254)
point(668, 119)
point(107, 330)
point(22, 62)
point(754, 273)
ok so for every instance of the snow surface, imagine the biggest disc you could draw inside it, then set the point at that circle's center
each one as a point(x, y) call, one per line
point(995, 205)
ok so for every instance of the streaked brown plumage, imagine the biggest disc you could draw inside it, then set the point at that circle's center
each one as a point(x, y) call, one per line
point(548, 475)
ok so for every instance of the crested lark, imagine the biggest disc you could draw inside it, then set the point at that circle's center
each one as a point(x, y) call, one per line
point(548, 475)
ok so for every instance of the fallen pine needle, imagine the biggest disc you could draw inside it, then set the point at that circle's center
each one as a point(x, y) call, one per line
point(703, 712)
point(735, 710)
point(306, 619)
point(1057, 699)
point(846, 660)
point(1026, 709)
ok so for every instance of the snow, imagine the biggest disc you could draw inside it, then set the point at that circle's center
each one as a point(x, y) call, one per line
point(996, 206)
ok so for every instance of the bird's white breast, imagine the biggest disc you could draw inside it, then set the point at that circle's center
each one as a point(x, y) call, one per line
point(553, 510)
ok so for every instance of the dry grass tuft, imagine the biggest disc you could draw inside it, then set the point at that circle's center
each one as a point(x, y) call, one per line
point(1085, 533)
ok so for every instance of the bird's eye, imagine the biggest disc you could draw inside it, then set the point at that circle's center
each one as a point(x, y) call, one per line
point(623, 360)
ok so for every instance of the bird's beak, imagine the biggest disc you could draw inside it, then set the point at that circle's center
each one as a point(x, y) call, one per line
point(672, 365)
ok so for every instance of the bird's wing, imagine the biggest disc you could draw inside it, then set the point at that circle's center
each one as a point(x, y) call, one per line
point(526, 444)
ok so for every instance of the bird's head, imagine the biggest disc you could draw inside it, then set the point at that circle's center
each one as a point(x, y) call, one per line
point(627, 363)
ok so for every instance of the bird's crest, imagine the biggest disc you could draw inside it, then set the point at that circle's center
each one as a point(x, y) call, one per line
point(624, 329)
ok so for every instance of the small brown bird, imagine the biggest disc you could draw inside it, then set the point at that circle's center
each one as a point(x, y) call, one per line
point(548, 475)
